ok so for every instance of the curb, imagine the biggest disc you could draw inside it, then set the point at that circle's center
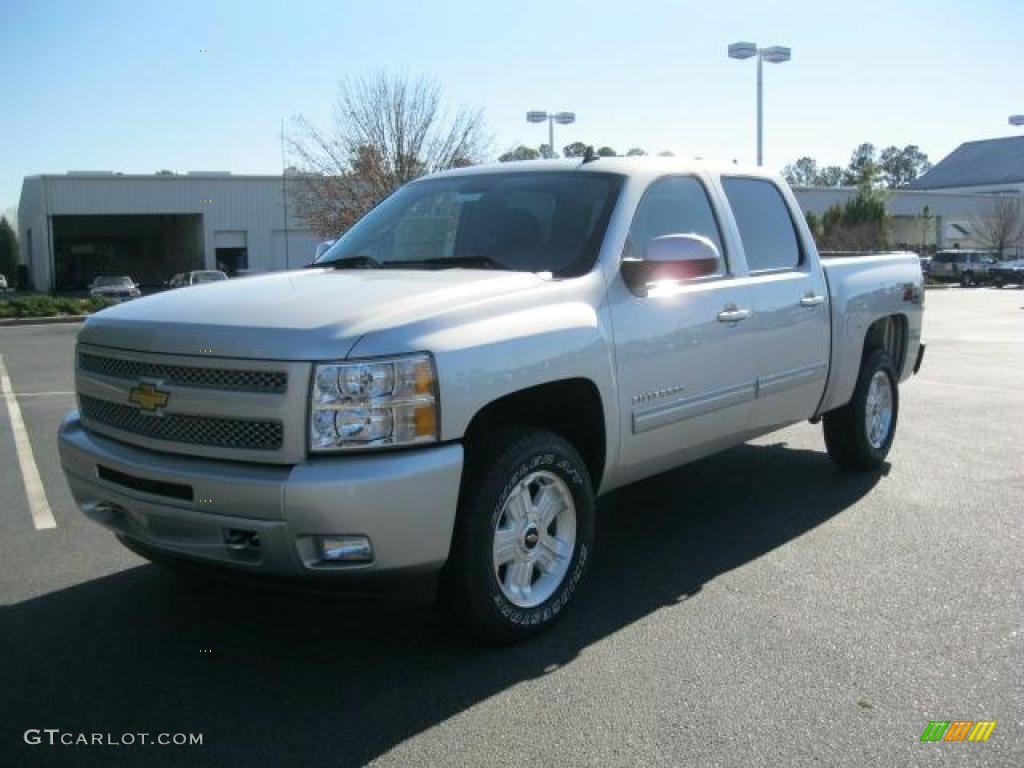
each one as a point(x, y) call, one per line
point(13, 321)
point(940, 286)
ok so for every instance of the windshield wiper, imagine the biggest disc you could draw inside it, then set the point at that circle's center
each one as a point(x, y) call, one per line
point(450, 262)
point(352, 262)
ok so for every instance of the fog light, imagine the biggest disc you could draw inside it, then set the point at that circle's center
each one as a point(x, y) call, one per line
point(345, 549)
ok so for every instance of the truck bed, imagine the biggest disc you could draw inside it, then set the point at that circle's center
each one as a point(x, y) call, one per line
point(864, 286)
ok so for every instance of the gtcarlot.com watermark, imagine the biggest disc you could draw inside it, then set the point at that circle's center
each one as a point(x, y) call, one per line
point(56, 737)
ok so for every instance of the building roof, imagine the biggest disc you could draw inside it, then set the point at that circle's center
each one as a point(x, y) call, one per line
point(978, 163)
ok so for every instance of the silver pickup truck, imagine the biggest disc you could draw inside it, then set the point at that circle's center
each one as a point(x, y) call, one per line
point(457, 378)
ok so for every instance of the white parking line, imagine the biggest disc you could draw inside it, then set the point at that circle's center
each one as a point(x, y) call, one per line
point(42, 517)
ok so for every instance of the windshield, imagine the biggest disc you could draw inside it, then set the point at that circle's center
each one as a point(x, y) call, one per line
point(526, 222)
point(113, 282)
point(208, 277)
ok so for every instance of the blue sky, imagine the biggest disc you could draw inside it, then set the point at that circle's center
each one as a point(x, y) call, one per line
point(125, 86)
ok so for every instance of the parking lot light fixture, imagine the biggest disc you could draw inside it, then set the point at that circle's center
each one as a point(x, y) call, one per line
point(1016, 119)
point(775, 54)
point(562, 118)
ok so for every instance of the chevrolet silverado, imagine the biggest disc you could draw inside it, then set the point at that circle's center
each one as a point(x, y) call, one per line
point(454, 381)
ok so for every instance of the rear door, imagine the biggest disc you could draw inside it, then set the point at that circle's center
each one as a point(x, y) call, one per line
point(791, 323)
point(683, 351)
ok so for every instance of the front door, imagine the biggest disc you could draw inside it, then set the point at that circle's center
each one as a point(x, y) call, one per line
point(683, 351)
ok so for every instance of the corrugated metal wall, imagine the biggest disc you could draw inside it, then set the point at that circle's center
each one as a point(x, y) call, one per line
point(249, 204)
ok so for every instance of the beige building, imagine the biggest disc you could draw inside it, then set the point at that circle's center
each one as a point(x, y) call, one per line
point(941, 209)
point(918, 220)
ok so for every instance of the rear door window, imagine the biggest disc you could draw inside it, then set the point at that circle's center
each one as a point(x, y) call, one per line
point(766, 227)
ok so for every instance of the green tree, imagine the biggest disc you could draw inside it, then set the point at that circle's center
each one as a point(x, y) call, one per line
point(829, 176)
point(606, 152)
point(863, 167)
point(8, 251)
point(802, 173)
point(856, 225)
point(519, 153)
point(636, 152)
point(547, 153)
point(576, 149)
point(813, 223)
point(898, 167)
point(666, 153)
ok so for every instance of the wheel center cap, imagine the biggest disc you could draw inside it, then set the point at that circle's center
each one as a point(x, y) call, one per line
point(532, 537)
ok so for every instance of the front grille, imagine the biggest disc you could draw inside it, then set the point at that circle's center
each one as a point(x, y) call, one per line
point(242, 434)
point(274, 382)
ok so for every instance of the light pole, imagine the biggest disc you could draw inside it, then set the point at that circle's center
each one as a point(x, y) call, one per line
point(562, 118)
point(775, 54)
point(1016, 120)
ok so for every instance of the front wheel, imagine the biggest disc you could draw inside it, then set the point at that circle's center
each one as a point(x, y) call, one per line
point(858, 435)
point(523, 535)
point(967, 279)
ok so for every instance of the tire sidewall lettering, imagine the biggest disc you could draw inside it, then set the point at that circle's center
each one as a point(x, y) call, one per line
point(554, 605)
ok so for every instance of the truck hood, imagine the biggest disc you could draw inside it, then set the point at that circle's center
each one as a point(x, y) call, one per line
point(310, 314)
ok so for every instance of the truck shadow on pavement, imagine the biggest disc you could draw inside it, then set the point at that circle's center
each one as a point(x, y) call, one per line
point(276, 678)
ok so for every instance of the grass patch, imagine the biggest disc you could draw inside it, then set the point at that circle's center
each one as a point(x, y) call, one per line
point(44, 305)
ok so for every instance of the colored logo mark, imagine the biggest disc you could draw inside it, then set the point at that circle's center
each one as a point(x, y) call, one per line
point(958, 730)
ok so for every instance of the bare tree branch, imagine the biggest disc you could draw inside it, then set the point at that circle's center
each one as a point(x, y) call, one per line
point(1002, 228)
point(386, 130)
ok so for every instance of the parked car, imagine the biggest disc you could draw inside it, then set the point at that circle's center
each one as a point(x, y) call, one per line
point(3, 282)
point(1007, 273)
point(121, 287)
point(196, 277)
point(960, 266)
point(926, 264)
point(452, 400)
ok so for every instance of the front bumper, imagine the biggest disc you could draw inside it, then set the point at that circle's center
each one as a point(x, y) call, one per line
point(404, 501)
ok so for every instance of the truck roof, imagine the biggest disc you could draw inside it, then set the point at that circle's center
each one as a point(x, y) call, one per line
point(623, 165)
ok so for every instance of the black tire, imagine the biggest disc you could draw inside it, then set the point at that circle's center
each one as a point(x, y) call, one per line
point(998, 282)
point(469, 588)
point(966, 279)
point(846, 434)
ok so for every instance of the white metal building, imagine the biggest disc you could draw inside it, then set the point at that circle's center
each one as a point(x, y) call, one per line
point(80, 224)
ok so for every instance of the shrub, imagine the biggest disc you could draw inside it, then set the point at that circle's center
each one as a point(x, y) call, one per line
point(44, 305)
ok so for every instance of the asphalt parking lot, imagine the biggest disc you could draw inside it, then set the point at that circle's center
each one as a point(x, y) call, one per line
point(756, 608)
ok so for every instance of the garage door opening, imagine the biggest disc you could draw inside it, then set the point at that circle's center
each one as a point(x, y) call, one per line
point(148, 248)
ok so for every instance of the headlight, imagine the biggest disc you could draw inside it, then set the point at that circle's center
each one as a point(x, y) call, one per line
point(373, 403)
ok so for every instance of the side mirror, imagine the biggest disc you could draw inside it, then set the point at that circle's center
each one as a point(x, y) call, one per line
point(671, 257)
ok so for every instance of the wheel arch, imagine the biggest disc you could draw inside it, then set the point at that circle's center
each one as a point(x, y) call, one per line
point(891, 334)
point(570, 407)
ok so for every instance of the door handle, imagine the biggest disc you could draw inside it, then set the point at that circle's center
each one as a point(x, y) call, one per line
point(733, 315)
point(811, 300)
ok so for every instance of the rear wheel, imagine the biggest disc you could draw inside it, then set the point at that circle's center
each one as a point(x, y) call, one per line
point(523, 535)
point(967, 279)
point(858, 435)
